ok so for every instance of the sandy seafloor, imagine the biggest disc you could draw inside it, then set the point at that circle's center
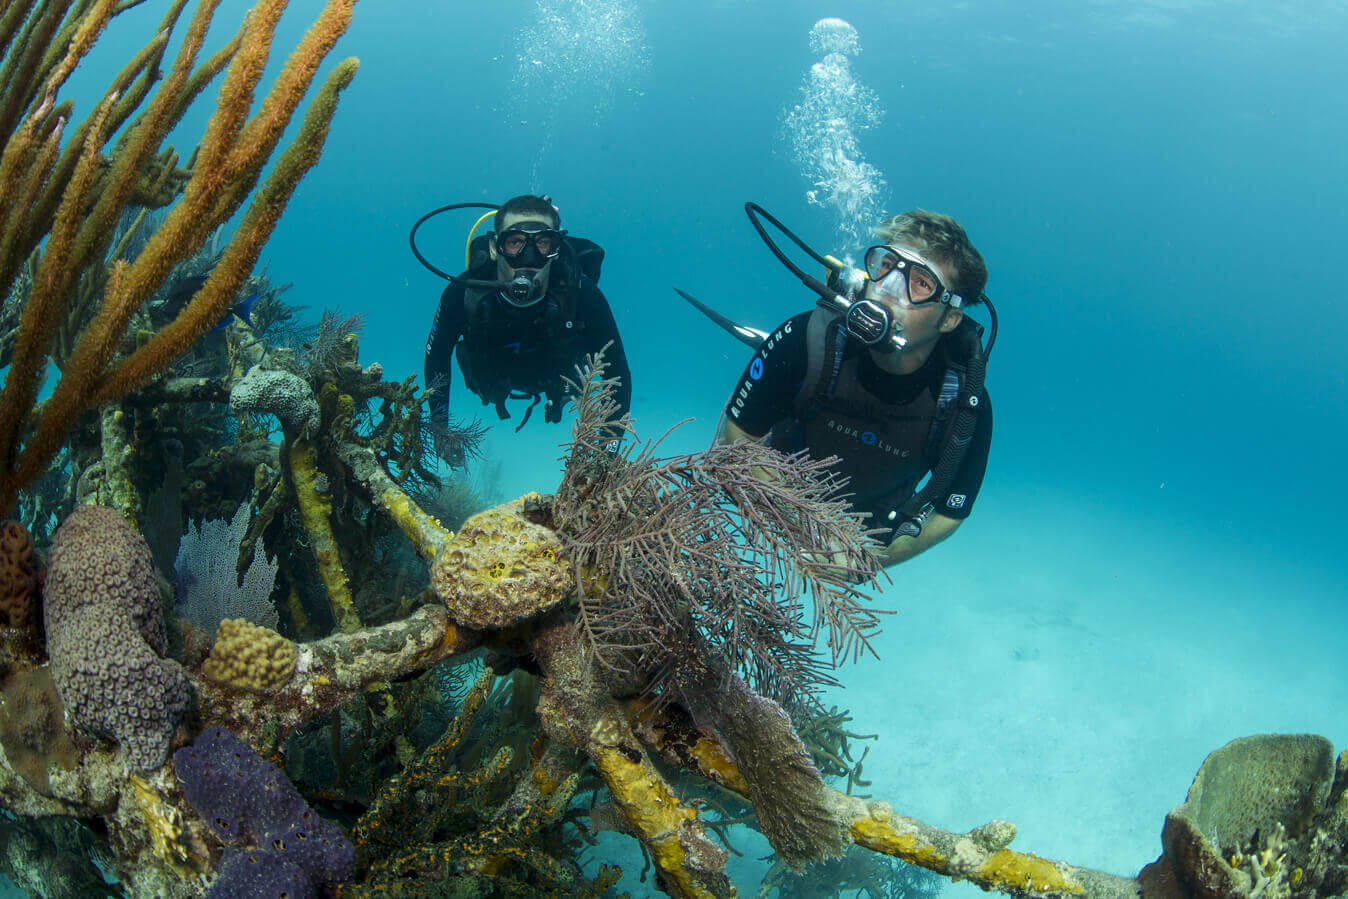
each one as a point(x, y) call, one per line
point(1154, 566)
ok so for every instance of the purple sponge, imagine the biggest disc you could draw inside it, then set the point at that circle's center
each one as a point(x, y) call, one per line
point(260, 874)
point(250, 804)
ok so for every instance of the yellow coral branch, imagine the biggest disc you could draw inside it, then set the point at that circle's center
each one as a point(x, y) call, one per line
point(576, 709)
point(980, 856)
point(425, 532)
point(316, 511)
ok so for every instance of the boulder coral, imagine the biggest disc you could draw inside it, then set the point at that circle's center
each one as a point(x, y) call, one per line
point(249, 657)
point(105, 637)
point(501, 568)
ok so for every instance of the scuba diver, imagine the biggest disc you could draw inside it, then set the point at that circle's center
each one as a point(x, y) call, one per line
point(526, 312)
point(886, 374)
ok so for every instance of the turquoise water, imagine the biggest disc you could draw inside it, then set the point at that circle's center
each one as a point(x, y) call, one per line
point(1157, 186)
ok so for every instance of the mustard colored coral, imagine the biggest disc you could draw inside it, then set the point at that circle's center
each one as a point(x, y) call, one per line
point(248, 656)
point(500, 569)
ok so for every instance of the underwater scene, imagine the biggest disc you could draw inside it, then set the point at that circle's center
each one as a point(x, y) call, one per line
point(475, 449)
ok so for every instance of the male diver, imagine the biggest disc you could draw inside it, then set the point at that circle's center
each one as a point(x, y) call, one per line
point(526, 312)
point(889, 381)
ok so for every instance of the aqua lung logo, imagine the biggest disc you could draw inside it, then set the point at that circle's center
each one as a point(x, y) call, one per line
point(869, 438)
point(956, 501)
point(756, 368)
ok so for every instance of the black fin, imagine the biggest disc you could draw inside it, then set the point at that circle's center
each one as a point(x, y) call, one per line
point(743, 333)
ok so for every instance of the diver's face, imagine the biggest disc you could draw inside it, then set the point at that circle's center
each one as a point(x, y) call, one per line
point(922, 323)
point(532, 261)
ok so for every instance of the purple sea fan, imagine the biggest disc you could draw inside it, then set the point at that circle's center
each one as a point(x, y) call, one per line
point(207, 587)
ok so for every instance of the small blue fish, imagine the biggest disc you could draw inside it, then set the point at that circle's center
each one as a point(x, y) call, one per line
point(243, 308)
point(184, 290)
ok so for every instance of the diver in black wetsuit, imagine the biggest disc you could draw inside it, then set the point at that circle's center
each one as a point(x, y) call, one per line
point(541, 314)
point(880, 385)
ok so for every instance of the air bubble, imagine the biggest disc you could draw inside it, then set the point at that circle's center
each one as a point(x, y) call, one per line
point(822, 131)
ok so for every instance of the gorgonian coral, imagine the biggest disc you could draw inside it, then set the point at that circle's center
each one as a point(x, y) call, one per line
point(732, 560)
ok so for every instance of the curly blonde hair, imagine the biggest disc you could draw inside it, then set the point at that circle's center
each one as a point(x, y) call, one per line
point(941, 239)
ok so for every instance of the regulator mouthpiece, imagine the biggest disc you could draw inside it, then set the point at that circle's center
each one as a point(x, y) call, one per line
point(868, 322)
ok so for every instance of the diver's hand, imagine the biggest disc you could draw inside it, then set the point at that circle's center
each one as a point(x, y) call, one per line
point(852, 563)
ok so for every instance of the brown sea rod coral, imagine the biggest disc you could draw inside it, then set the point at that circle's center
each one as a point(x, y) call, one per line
point(67, 185)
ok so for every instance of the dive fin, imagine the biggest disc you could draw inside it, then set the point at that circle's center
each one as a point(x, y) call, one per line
point(745, 334)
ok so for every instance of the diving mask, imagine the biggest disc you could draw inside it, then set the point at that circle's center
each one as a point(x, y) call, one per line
point(903, 274)
point(529, 244)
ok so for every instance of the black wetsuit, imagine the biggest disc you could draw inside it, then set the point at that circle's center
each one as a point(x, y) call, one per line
point(507, 352)
point(887, 435)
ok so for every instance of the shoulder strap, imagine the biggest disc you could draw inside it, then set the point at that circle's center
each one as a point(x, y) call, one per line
point(825, 339)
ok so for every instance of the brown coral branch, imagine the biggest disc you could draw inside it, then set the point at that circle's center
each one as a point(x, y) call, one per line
point(51, 283)
point(218, 185)
point(211, 302)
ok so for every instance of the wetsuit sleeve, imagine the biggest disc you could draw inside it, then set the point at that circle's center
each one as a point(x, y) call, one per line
point(765, 393)
point(958, 503)
point(601, 329)
point(449, 324)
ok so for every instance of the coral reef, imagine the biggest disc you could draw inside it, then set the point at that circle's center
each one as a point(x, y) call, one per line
point(249, 657)
point(105, 636)
point(658, 621)
point(275, 840)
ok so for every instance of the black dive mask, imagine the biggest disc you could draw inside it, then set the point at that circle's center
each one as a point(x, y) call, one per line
point(529, 244)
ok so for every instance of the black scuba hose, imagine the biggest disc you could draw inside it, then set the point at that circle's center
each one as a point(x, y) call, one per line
point(753, 210)
point(412, 235)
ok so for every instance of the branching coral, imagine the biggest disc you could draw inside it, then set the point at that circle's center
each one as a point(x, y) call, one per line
point(69, 202)
point(708, 555)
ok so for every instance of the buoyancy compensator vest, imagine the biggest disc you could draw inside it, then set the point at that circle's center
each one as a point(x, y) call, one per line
point(886, 446)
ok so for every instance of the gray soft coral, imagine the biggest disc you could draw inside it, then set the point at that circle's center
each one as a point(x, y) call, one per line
point(105, 636)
